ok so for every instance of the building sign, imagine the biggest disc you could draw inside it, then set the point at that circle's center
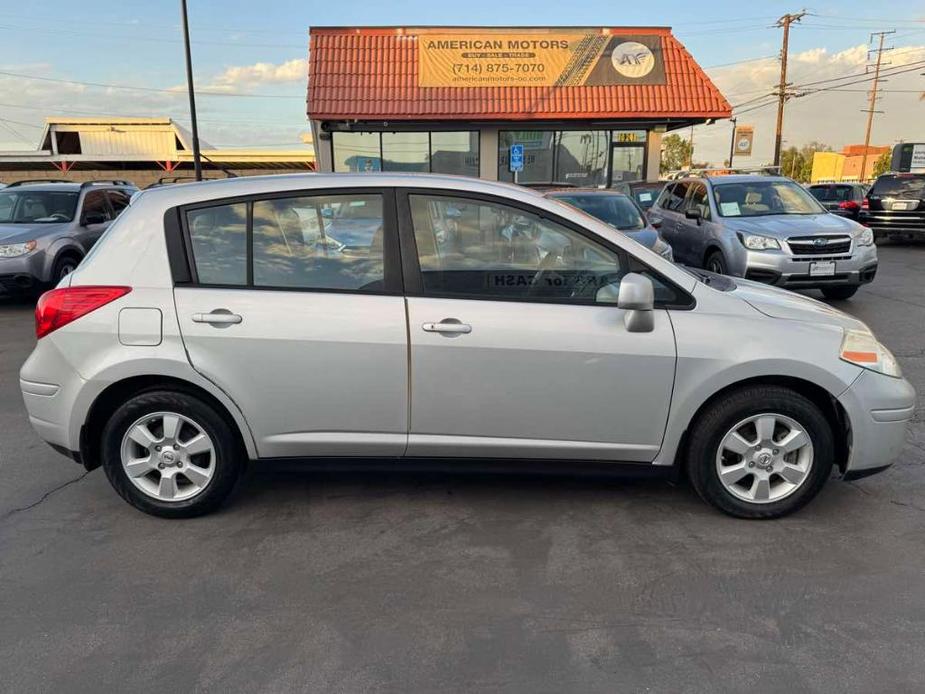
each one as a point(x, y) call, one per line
point(538, 59)
point(744, 138)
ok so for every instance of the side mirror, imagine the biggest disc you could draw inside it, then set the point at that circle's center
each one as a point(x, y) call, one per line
point(655, 223)
point(635, 295)
point(693, 214)
point(93, 218)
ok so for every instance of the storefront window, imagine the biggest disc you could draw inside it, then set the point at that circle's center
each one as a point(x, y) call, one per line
point(455, 153)
point(573, 157)
point(627, 163)
point(405, 151)
point(357, 152)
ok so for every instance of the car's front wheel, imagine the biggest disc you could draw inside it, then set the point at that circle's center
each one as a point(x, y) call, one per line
point(715, 262)
point(171, 454)
point(760, 452)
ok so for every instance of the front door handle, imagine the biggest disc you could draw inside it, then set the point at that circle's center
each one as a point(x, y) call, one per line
point(448, 326)
point(219, 316)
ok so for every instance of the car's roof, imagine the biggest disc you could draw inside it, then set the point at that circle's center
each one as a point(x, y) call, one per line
point(565, 192)
point(740, 178)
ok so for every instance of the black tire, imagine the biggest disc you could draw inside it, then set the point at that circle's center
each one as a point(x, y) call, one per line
point(715, 262)
point(229, 457)
point(64, 266)
point(722, 415)
point(839, 293)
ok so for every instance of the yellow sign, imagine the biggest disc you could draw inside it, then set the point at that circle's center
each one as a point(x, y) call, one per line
point(538, 59)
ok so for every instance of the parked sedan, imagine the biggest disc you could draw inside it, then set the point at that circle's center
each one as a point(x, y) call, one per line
point(204, 332)
point(619, 211)
point(843, 199)
point(765, 228)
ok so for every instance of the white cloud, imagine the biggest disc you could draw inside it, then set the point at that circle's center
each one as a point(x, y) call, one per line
point(295, 70)
point(832, 117)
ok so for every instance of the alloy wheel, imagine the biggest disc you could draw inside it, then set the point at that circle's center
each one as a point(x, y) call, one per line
point(764, 458)
point(168, 456)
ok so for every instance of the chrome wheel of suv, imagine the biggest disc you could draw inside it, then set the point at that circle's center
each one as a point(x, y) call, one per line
point(764, 458)
point(168, 456)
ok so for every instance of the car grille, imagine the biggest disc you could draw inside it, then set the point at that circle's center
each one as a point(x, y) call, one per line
point(819, 245)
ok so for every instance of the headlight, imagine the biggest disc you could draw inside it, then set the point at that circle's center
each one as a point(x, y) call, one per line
point(12, 250)
point(754, 242)
point(865, 238)
point(862, 349)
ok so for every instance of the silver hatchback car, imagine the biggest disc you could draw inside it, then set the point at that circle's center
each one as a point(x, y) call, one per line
point(765, 228)
point(480, 323)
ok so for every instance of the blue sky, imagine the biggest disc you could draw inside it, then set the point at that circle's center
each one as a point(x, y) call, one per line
point(253, 47)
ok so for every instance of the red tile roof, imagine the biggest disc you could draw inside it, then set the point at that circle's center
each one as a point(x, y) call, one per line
point(372, 74)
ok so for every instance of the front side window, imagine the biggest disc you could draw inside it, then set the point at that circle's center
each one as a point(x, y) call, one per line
point(485, 250)
point(95, 206)
point(319, 242)
point(763, 198)
point(699, 201)
point(118, 200)
point(39, 207)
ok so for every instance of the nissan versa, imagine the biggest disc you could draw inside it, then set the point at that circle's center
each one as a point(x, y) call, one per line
point(214, 324)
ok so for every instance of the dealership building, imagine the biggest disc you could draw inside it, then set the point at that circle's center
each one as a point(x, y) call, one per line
point(585, 106)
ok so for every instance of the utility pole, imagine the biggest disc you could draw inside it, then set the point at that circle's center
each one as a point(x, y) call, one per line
point(690, 156)
point(784, 22)
point(732, 142)
point(197, 164)
point(873, 97)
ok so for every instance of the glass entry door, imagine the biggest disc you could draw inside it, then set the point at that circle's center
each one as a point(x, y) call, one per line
point(627, 163)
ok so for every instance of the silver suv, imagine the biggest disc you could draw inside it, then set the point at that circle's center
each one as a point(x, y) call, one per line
point(764, 228)
point(479, 322)
point(48, 226)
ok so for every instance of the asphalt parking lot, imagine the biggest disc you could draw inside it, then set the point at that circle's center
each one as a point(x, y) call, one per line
point(330, 582)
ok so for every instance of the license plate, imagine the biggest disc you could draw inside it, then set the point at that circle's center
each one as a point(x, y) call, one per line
point(907, 205)
point(822, 268)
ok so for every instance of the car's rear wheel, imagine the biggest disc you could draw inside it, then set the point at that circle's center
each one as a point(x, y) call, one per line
point(715, 262)
point(839, 293)
point(170, 454)
point(760, 452)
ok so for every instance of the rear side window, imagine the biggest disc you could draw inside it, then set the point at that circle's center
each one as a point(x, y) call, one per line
point(324, 242)
point(901, 186)
point(319, 242)
point(218, 236)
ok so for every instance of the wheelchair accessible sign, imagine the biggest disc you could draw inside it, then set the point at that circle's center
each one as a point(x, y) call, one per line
point(516, 159)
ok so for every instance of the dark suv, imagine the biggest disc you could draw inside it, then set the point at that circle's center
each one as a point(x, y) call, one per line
point(843, 199)
point(895, 206)
point(47, 227)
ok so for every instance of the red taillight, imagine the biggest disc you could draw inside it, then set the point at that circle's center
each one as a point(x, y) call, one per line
point(865, 204)
point(847, 205)
point(59, 307)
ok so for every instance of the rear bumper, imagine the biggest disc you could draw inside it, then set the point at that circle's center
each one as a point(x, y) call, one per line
point(887, 223)
point(879, 408)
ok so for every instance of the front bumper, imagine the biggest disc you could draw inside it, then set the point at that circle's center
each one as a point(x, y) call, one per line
point(22, 274)
point(782, 269)
point(878, 408)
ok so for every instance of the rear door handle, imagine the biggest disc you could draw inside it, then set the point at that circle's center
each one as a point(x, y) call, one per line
point(448, 326)
point(219, 316)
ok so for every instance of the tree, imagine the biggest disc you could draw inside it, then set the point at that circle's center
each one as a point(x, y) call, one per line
point(676, 152)
point(882, 165)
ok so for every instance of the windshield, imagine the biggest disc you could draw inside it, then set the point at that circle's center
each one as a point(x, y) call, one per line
point(908, 186)
point(763, 198)
point(36, 207)
point(617, 210)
